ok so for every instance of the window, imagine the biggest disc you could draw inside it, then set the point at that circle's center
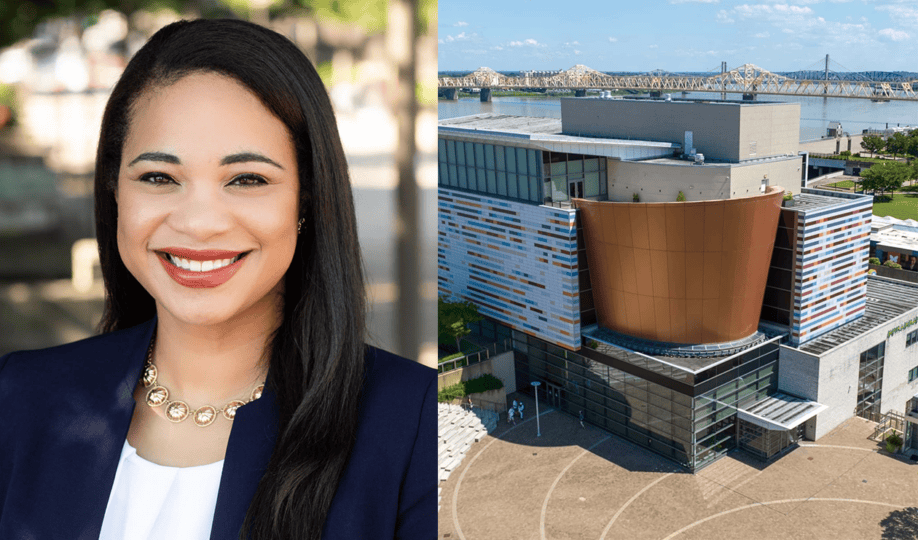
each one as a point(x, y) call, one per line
point(911, 338)
point(912, 374)
point(504, 171)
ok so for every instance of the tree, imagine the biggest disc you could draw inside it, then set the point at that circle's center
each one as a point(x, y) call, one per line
point(897, 143)
point(454, 318)
point(900, 524)
point(885, 177)
point(873, 143)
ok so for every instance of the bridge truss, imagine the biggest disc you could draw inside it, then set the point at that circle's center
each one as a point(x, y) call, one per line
point(746, 79)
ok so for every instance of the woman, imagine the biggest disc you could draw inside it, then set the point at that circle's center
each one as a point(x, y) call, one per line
point(231, 394)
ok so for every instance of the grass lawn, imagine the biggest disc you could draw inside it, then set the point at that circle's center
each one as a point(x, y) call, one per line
point(901, 207)
point(845, 184)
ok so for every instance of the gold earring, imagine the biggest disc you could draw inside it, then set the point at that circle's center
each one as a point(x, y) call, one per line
point(299, 226)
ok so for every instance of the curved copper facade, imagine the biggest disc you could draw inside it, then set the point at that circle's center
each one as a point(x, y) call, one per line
point(681, 272)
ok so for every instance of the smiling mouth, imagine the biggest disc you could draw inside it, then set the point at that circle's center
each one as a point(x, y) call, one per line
point(199, 266)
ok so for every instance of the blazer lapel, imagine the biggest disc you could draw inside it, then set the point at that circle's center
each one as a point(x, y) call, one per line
point(247, 454)
point(76, 466)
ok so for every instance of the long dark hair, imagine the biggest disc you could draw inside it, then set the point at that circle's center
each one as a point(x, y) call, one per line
point(316, 355)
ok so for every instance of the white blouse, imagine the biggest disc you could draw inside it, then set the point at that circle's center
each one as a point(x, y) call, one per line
point(153, 502)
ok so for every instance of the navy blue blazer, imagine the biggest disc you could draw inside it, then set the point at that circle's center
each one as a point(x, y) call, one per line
point(65, 413)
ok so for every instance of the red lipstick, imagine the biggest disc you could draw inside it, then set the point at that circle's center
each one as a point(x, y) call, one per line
point(201, 280)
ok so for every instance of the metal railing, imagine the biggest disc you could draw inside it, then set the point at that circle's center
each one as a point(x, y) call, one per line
point(474, 358)
point(891, 421)
point(483, 404)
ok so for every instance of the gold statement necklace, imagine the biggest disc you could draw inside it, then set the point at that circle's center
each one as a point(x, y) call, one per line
point(177, 411)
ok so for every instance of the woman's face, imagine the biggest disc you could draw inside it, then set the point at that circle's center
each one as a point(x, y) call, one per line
point(208, 175)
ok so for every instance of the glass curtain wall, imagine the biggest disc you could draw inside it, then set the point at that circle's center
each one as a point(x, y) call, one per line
point(567, 174)
point(767, 444)
point(691, 431)
point(870, 382)
point(646, 413)
point(756, 378)
point(503, 171)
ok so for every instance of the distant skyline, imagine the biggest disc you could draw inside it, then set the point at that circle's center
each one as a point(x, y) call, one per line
point(677, 35)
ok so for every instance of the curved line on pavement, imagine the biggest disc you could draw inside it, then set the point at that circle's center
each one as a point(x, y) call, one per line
point(836, 446)
point(631, 500)
point(555, 483)
point(700, 521)
point(469, 466)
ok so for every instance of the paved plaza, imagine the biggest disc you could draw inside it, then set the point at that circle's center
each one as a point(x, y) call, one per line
point(584, 483)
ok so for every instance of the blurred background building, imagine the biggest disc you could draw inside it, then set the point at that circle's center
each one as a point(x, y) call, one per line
point(57, 68)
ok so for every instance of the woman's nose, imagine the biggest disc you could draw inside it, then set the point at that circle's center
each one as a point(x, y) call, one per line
point(201, 213)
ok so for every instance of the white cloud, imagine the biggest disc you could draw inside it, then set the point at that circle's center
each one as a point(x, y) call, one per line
point(576, 51)
point(525, 43)
point(572, 44)
point(694, 1)
point(652, 46)
point(497, 48)
point(762, 35)
point(612, 39)
point(770, 12)
point(440, 41)
point(895, 35)
point(461, 23)
point(901, 12)
point(724, 17)
point(461, 36)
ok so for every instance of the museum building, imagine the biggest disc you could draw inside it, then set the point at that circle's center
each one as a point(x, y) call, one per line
point(641, 257)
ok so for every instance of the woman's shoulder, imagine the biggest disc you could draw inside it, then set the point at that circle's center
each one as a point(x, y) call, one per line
point(386, 368)
point(105, 357)
point(396, 390)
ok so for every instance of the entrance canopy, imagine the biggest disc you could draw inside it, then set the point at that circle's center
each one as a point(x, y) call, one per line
point(780, 411)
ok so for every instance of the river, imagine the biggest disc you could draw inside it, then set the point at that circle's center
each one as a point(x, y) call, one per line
point(855, 115)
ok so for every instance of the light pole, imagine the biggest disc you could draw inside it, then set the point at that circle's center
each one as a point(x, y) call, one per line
point(535, 385)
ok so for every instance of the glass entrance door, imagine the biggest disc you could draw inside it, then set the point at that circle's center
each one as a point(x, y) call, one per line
point(553, 395)
point(575, 189)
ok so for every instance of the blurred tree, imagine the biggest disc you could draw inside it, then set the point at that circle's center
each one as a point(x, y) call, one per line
point(19, 19)
point(886, 177)
point(897, 143)
point(873, 143)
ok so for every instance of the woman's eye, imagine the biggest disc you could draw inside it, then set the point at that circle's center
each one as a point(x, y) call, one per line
point(156, 178)
point(248, 180)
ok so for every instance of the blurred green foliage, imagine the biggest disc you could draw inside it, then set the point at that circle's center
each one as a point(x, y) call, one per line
point(427, 16)
point(368, 14)
point(19, 18)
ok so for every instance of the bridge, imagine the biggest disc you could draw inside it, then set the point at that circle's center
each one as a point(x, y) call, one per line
point(748, 79)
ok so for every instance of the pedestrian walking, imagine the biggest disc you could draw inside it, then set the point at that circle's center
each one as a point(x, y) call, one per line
point(515, 405)
point(581, 420)
point(510, 418)
point(521, 410)
point(470, 403)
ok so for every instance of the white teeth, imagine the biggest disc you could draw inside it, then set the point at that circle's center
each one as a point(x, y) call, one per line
point(201, 266)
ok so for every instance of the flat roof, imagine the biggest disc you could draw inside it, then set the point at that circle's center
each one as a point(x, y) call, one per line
point(886, 300)
point(810, 199)
point(896, 237)
point(545, 133)
point(505, 122)
point(608, 343)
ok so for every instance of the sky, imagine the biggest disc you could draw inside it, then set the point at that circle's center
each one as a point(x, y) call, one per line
point(677, 35)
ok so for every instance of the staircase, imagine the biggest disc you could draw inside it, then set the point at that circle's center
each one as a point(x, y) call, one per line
point(457, 429)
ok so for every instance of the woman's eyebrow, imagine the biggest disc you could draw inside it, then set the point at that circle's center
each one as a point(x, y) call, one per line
point(156, 156)
point(243, 157)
